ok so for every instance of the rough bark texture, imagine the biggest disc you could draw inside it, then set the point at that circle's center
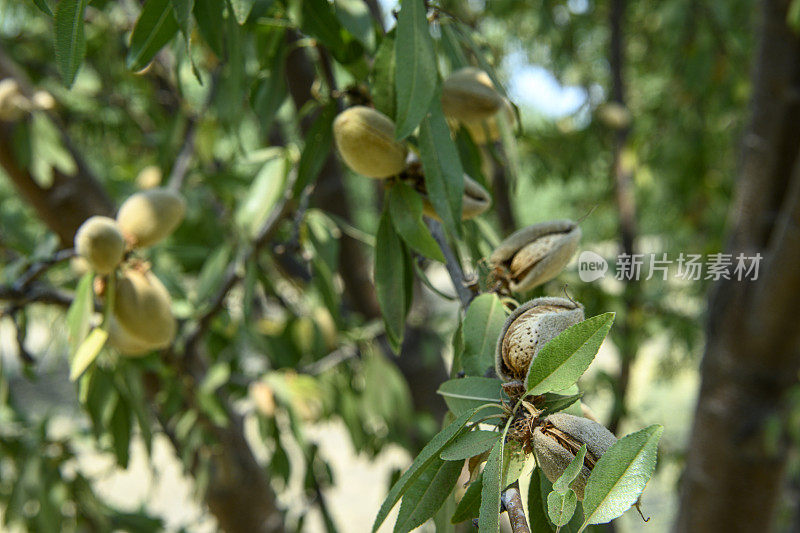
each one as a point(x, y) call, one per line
point(624, 196)
point(734, 469)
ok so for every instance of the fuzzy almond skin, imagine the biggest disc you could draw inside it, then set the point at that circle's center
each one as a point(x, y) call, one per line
point(99, 241)
point(125, 342)
point(488, 130)
point(469, 95)
point(553, 459)
point(528, 329)
point(143, 307)
point(476, 200)
point(150, 216)
point(365, 140)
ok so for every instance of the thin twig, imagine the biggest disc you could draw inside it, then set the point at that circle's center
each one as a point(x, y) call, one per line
point(184, 158)
point(452, 265)
point(512, 501)
point(40, 267)
point(337, 356)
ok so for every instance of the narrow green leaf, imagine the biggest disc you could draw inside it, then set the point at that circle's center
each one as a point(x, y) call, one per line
point(87, 352)
point(564, 359)
point(544, 490)
point(70, 39)
point(561, 507)
point(80, 312)
point(427, 494)
point(356, 18)
point(458, 350)
point(383, 70)
point(561, 485)
point(465, 394)
point(537, 516)
point(415, 60)
point(405, 206)
point(241, 9)
point(389, 279)
point(554, 403)
point(428, 454)
point(319, 21)
point(316, 149)
point(183, 15)
point(154, 28)
point(208, 14)
point(452, 48)
point(489, 517)
point(265, 191)
point(620, 475)
point(514, 460)
point(483, 324)
point(444, 177)
point(120, 429)
point(470, 503)
point(212, 273)
point(469, 444)
point(43, 7)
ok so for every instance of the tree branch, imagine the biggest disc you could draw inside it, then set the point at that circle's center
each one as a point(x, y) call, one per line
point(465, 295)
point(512, 501)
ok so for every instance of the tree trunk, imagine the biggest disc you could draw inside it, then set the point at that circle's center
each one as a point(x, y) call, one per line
point(736, 461)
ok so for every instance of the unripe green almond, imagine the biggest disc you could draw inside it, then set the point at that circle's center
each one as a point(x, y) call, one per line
point(528, 329)
point(469, 95)
point(553, 457)
point(365, 140)
point(488, 130)
point(475, 201)
point(150, 216)
point(143, 307)
point(125, 342)
point(99, 241)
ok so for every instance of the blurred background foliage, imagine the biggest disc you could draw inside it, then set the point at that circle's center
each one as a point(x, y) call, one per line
point(312, 359)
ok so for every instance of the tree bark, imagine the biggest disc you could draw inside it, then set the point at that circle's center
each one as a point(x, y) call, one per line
point(735, 465)
point(624, 196)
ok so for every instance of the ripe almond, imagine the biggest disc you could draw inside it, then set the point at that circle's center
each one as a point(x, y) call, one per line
point(528, 329)
point(536, 254)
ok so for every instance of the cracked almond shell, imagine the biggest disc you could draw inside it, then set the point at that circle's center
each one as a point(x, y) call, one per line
point(365, 140)
point(476, 200)
point(469, 95)
point(536, 254)
point(528, 329)
point(553, 457)
point(488, 130)
point(99, 241)
point(143, 308)
point(150, 216)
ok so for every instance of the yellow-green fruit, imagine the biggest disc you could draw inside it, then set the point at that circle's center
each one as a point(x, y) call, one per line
point(125, 342)
point(142, 306)
point(365, 140)
point(99, 241)
point(149, 177)
point(486, 131)
point(13, 104)
point(556, 442)
point(150, 216)
point(475, 201)
point(469, 95)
